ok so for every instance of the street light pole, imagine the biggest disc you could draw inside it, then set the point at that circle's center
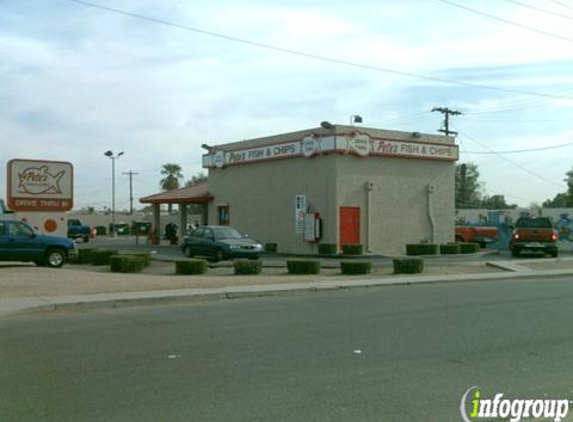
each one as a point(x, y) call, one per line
point(113, 158)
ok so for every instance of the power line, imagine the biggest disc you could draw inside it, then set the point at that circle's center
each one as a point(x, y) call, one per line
point(561, 4)
point(506, 21)
point(518, 151)
point(511, 161)
point(314, 56)
point(518, 105)
point(539, 9)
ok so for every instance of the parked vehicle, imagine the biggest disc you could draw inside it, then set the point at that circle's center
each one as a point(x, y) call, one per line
point(219, 243)
point(478, 234)
point(78, 231)
point(536, 234)
point(18, 242)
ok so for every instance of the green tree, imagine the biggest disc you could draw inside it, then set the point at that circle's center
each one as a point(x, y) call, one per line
point(496, 202)
point(564, 199)
point(559, 201)
point(468, 187)
point(196, 179)
point(172, 173)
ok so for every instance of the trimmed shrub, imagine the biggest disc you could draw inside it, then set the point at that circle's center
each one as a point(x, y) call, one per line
point(303, 267)
point(247, 266)
point(84, 256)
point(352, 249)
point(191, 266)
point(450, 249)
point(126, 264)
point(355, 267)
point(422, 249)
point(327, 248)
point(408, 265)
point(146, 256)
point(102, 256)
point(469, 247)
point(271, 247)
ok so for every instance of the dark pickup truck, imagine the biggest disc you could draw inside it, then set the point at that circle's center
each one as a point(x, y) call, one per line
point(18, 242)
point(536, 234)
point(78, 231)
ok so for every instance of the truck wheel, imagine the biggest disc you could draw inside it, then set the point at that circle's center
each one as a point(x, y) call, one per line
point(86, 239)
point(55, 258)
point(515, 252)
point(555, 253)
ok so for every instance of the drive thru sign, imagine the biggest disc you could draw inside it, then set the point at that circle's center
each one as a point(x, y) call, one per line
point(36, 185)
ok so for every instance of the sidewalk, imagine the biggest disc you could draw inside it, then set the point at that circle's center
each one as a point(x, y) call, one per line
point(512, 270)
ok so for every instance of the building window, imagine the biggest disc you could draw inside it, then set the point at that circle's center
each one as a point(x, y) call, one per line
point(223, 215)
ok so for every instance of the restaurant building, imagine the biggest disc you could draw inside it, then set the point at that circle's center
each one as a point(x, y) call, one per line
point(335, 184)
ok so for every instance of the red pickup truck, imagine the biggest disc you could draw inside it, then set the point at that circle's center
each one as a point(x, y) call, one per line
point(534, 234)
point(478, 234)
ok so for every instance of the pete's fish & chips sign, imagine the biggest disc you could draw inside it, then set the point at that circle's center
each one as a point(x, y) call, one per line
point(36, 185)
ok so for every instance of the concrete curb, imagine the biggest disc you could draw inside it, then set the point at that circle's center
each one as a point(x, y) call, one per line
point(143, 298)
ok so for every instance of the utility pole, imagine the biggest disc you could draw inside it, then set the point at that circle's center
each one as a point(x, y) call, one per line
point(447, 112)
point(130, 174)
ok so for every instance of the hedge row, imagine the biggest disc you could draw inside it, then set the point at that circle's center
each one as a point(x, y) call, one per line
point(247, 266)
point(356, 267)
point(191, 266)
point(468, 247)
point(408, 265)
point(450, 249)
point(271, 247)
point(422, 249)
point(126, 263)
point(303, 267)
point(327, 248)
point(444, 249)
point(352, 249)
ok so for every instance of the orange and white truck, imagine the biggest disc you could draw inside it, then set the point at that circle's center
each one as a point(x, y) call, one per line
point(477, 234)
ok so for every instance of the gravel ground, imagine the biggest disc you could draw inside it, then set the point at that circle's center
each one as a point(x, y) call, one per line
point(560, 264)
point(23, 280)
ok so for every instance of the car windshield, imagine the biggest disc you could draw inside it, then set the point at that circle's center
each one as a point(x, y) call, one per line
point(534, 223)
point(227, 233)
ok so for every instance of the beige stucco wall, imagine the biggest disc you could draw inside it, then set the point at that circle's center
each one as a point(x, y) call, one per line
point(399, 206)
point(261, 198)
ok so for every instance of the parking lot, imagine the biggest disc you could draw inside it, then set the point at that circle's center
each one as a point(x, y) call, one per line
point(27, 280)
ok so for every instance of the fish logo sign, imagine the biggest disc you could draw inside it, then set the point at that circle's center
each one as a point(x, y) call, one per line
point(38, 181)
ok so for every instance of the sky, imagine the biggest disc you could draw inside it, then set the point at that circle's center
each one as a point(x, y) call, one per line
point(78, 80)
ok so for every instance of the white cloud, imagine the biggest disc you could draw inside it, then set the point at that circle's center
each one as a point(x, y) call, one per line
point(79, 81)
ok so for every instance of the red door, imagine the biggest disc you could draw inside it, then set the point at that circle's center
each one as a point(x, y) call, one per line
point(349, 225)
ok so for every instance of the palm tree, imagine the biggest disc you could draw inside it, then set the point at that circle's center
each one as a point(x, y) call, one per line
point(197, 179)
point(172, 173)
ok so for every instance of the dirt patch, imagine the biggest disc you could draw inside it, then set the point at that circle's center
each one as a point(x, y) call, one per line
point(28, 280)
point(559, 264)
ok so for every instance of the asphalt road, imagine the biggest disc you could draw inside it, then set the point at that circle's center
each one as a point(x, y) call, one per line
point(402, 353)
